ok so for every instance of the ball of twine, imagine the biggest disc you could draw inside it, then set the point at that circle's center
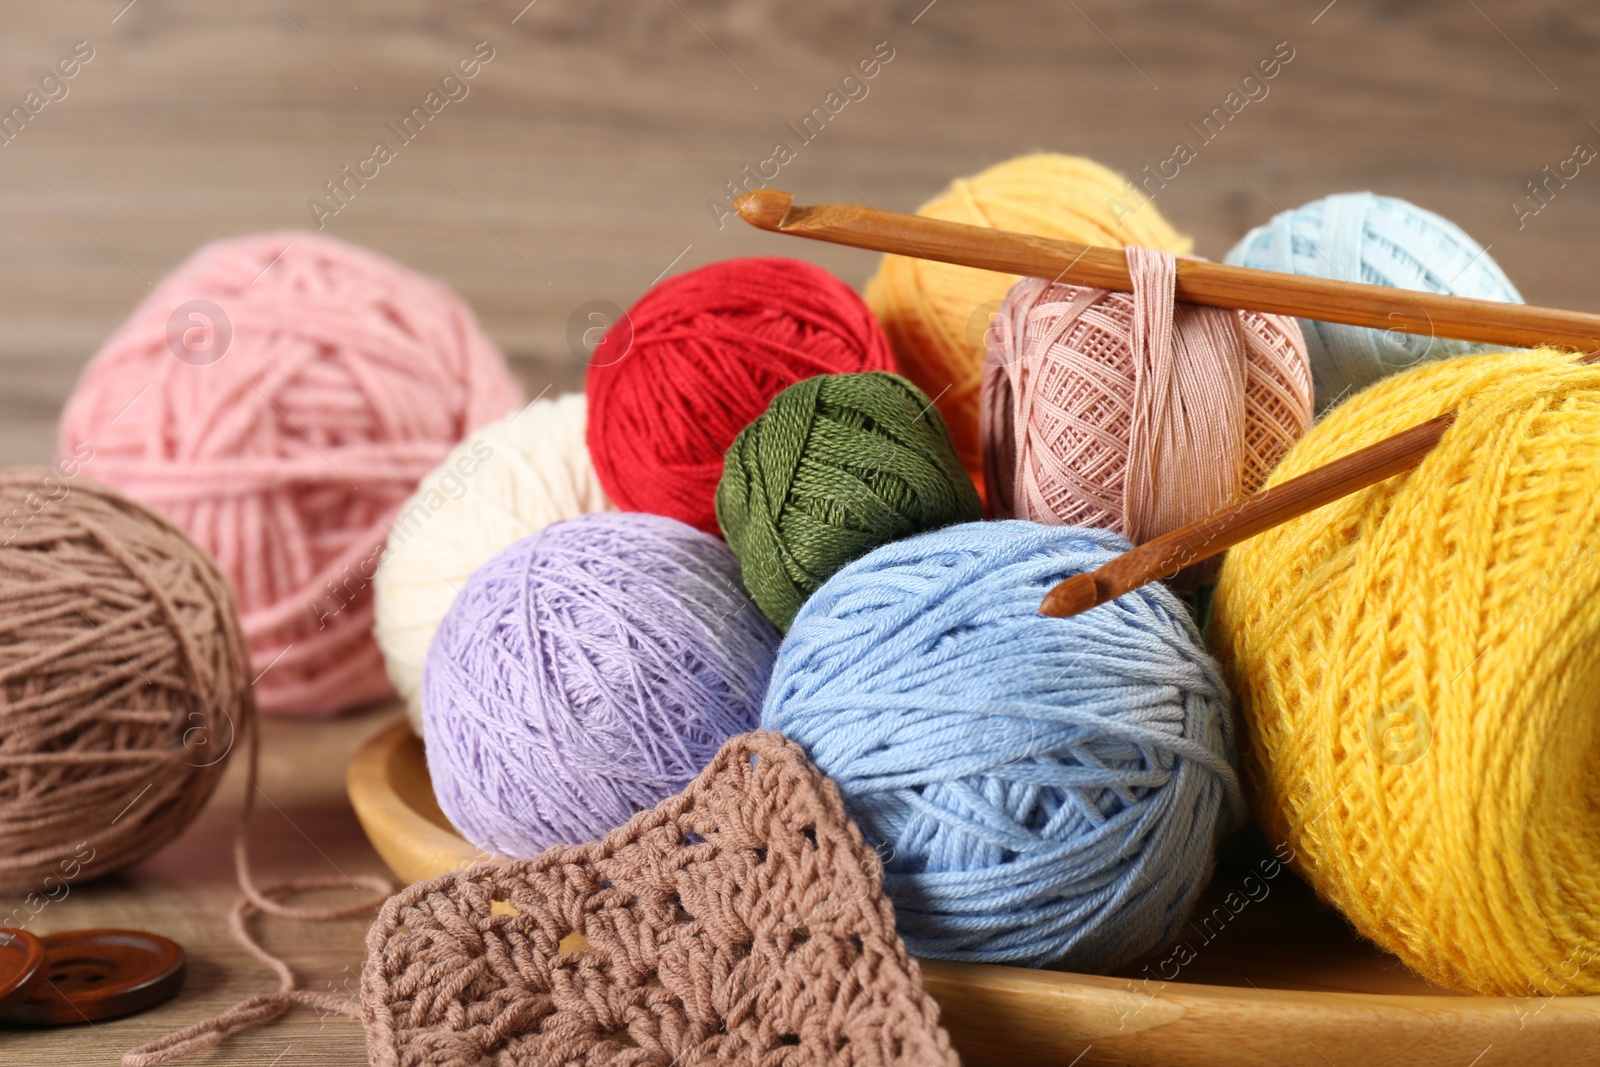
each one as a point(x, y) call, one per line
point(700, 356)
point(510, 479)
point(587, 673)
point(286, 452)
point(936, 314)
point(835, 467)
point(1415, 664)
point(122, 680)
point(1042, 790)
point(1131, 412)
point(1379, 240)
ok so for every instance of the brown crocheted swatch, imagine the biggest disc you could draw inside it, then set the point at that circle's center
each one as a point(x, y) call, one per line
point(740, 921)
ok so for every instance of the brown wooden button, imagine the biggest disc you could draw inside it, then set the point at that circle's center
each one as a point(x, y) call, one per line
point(89, 975)
point(21, 967)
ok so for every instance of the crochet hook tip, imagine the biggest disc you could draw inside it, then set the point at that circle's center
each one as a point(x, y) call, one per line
point(1074, 596)
point(764, 208)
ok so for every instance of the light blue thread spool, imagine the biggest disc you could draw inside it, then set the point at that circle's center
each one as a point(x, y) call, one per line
point(1379, 240)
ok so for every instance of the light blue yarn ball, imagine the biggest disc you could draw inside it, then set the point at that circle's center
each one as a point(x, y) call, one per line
point(1041, 790)
point(1379, 240)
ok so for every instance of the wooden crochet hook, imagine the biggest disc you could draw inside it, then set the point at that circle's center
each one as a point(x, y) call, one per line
point(1377, 307)
point(1164, 556)
point(1216, 285)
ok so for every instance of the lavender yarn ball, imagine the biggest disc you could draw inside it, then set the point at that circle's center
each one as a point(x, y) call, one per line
point(586, 673)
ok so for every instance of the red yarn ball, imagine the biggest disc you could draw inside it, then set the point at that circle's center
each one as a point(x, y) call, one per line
point(698, 358)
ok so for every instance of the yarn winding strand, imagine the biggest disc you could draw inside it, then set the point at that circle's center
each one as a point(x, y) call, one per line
point(1042, 790)
point(836, 466)
point(1416, 668)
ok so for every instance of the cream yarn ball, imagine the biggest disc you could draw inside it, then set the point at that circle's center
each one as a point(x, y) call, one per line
point(504, 482)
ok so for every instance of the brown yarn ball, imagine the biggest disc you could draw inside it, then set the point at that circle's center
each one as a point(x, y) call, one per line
point(122, 680)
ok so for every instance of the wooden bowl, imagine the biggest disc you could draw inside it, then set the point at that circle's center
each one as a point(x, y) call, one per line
point(1270, 976)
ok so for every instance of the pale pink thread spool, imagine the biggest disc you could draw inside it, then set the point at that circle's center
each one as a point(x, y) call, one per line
point(1131, 412)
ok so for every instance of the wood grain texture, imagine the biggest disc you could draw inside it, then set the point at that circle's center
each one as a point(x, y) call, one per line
point(303, 827)
point(582, 162)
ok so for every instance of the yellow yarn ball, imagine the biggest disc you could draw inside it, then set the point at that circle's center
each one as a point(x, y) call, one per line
point(936, 314)
point(1417, 669)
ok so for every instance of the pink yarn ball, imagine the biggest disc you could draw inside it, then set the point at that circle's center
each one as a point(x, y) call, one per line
point(279, 396)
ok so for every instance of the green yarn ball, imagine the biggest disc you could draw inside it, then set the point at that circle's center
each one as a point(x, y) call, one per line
point(837, 465)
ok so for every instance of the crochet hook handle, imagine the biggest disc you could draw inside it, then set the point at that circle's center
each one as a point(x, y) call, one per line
point(1378, 307)
point(1164, 556)
point(1217, 285)
point(1222, 529)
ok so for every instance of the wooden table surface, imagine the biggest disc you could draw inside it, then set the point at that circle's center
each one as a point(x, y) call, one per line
point(580, 167)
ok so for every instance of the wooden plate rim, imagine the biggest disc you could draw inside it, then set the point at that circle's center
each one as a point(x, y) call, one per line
point(1028, 1016)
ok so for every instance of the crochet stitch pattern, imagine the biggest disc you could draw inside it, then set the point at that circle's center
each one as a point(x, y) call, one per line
point(741, 920)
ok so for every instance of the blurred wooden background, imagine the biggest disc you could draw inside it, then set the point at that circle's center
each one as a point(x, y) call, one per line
point(579, 168)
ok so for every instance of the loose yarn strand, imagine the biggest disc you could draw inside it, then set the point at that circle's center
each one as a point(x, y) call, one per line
point(1186, 446)
point(263, 1007)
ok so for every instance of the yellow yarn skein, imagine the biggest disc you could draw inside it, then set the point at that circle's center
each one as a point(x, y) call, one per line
point(1417, 671)
point(936, 314)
